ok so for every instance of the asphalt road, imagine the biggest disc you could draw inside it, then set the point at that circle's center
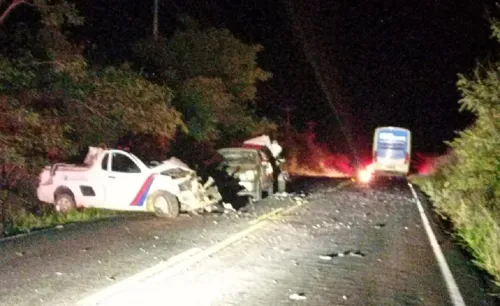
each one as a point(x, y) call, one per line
point(333, 245)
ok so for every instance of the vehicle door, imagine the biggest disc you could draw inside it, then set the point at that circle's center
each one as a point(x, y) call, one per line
point(125, 181)
point(100, 182)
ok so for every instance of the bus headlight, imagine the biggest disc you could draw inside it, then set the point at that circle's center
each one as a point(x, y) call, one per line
point(365, 175)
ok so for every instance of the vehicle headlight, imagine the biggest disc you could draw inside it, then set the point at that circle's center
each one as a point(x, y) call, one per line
point(248, 175)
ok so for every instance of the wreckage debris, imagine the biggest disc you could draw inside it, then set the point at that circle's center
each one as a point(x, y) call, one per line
point(282, 194)
point(290, 194)
point(228, 207)
point(325, 257)
point(342, 254)
point(298, 296)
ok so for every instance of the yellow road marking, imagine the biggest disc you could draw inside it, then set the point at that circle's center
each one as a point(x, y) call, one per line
point(266, 216)
point(163, 271)
point(291, 209)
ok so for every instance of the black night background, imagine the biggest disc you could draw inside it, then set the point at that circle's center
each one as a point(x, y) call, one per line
point(383, 62)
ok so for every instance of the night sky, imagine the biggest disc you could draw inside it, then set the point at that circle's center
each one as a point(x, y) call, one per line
point(382, 62)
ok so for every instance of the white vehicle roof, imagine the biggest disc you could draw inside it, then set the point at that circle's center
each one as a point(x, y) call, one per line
point(171, 163)
point(265, 141)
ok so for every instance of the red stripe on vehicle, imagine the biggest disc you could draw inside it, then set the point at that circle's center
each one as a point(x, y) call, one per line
point(141, 195)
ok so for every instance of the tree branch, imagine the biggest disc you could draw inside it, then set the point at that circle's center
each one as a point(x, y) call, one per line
point(11, 7)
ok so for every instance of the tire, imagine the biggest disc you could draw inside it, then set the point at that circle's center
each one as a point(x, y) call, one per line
point(64, 202)
point(258, 191)
point(281, 183)
point(270, 191)
point(164, 204)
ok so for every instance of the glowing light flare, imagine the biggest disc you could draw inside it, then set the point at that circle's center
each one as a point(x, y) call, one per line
point(365, 175)
point(318, 164)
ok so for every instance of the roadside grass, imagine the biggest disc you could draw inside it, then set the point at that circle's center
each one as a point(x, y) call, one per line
point(476, 225)
point(23, 221)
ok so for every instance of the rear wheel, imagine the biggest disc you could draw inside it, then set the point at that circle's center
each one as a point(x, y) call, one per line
point(281, 183)
point(165, 205)
point(64, 202)
point(270, 190)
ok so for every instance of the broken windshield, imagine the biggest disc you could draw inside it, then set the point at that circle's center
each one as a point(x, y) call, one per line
point(239, 156)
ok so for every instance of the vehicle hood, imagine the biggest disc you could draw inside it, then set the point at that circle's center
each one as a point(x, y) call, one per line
point(171, 163)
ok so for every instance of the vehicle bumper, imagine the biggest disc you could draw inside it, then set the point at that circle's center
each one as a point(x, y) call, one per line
point(202, 197)
point(384, 169)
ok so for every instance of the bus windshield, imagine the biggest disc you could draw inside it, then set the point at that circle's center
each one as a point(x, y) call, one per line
point(392, 144)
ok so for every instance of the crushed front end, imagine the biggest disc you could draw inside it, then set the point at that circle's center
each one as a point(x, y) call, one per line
point(193, 194)
point(196, 195)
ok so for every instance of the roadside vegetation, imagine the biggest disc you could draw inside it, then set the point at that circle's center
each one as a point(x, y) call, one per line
point(465, 186)
point(195, 89)
point(25, 222)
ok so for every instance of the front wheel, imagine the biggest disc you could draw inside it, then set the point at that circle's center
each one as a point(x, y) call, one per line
point(64, 202)
point(165, 205)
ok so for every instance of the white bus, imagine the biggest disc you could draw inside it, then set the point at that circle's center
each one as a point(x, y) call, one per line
point(391, 151)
